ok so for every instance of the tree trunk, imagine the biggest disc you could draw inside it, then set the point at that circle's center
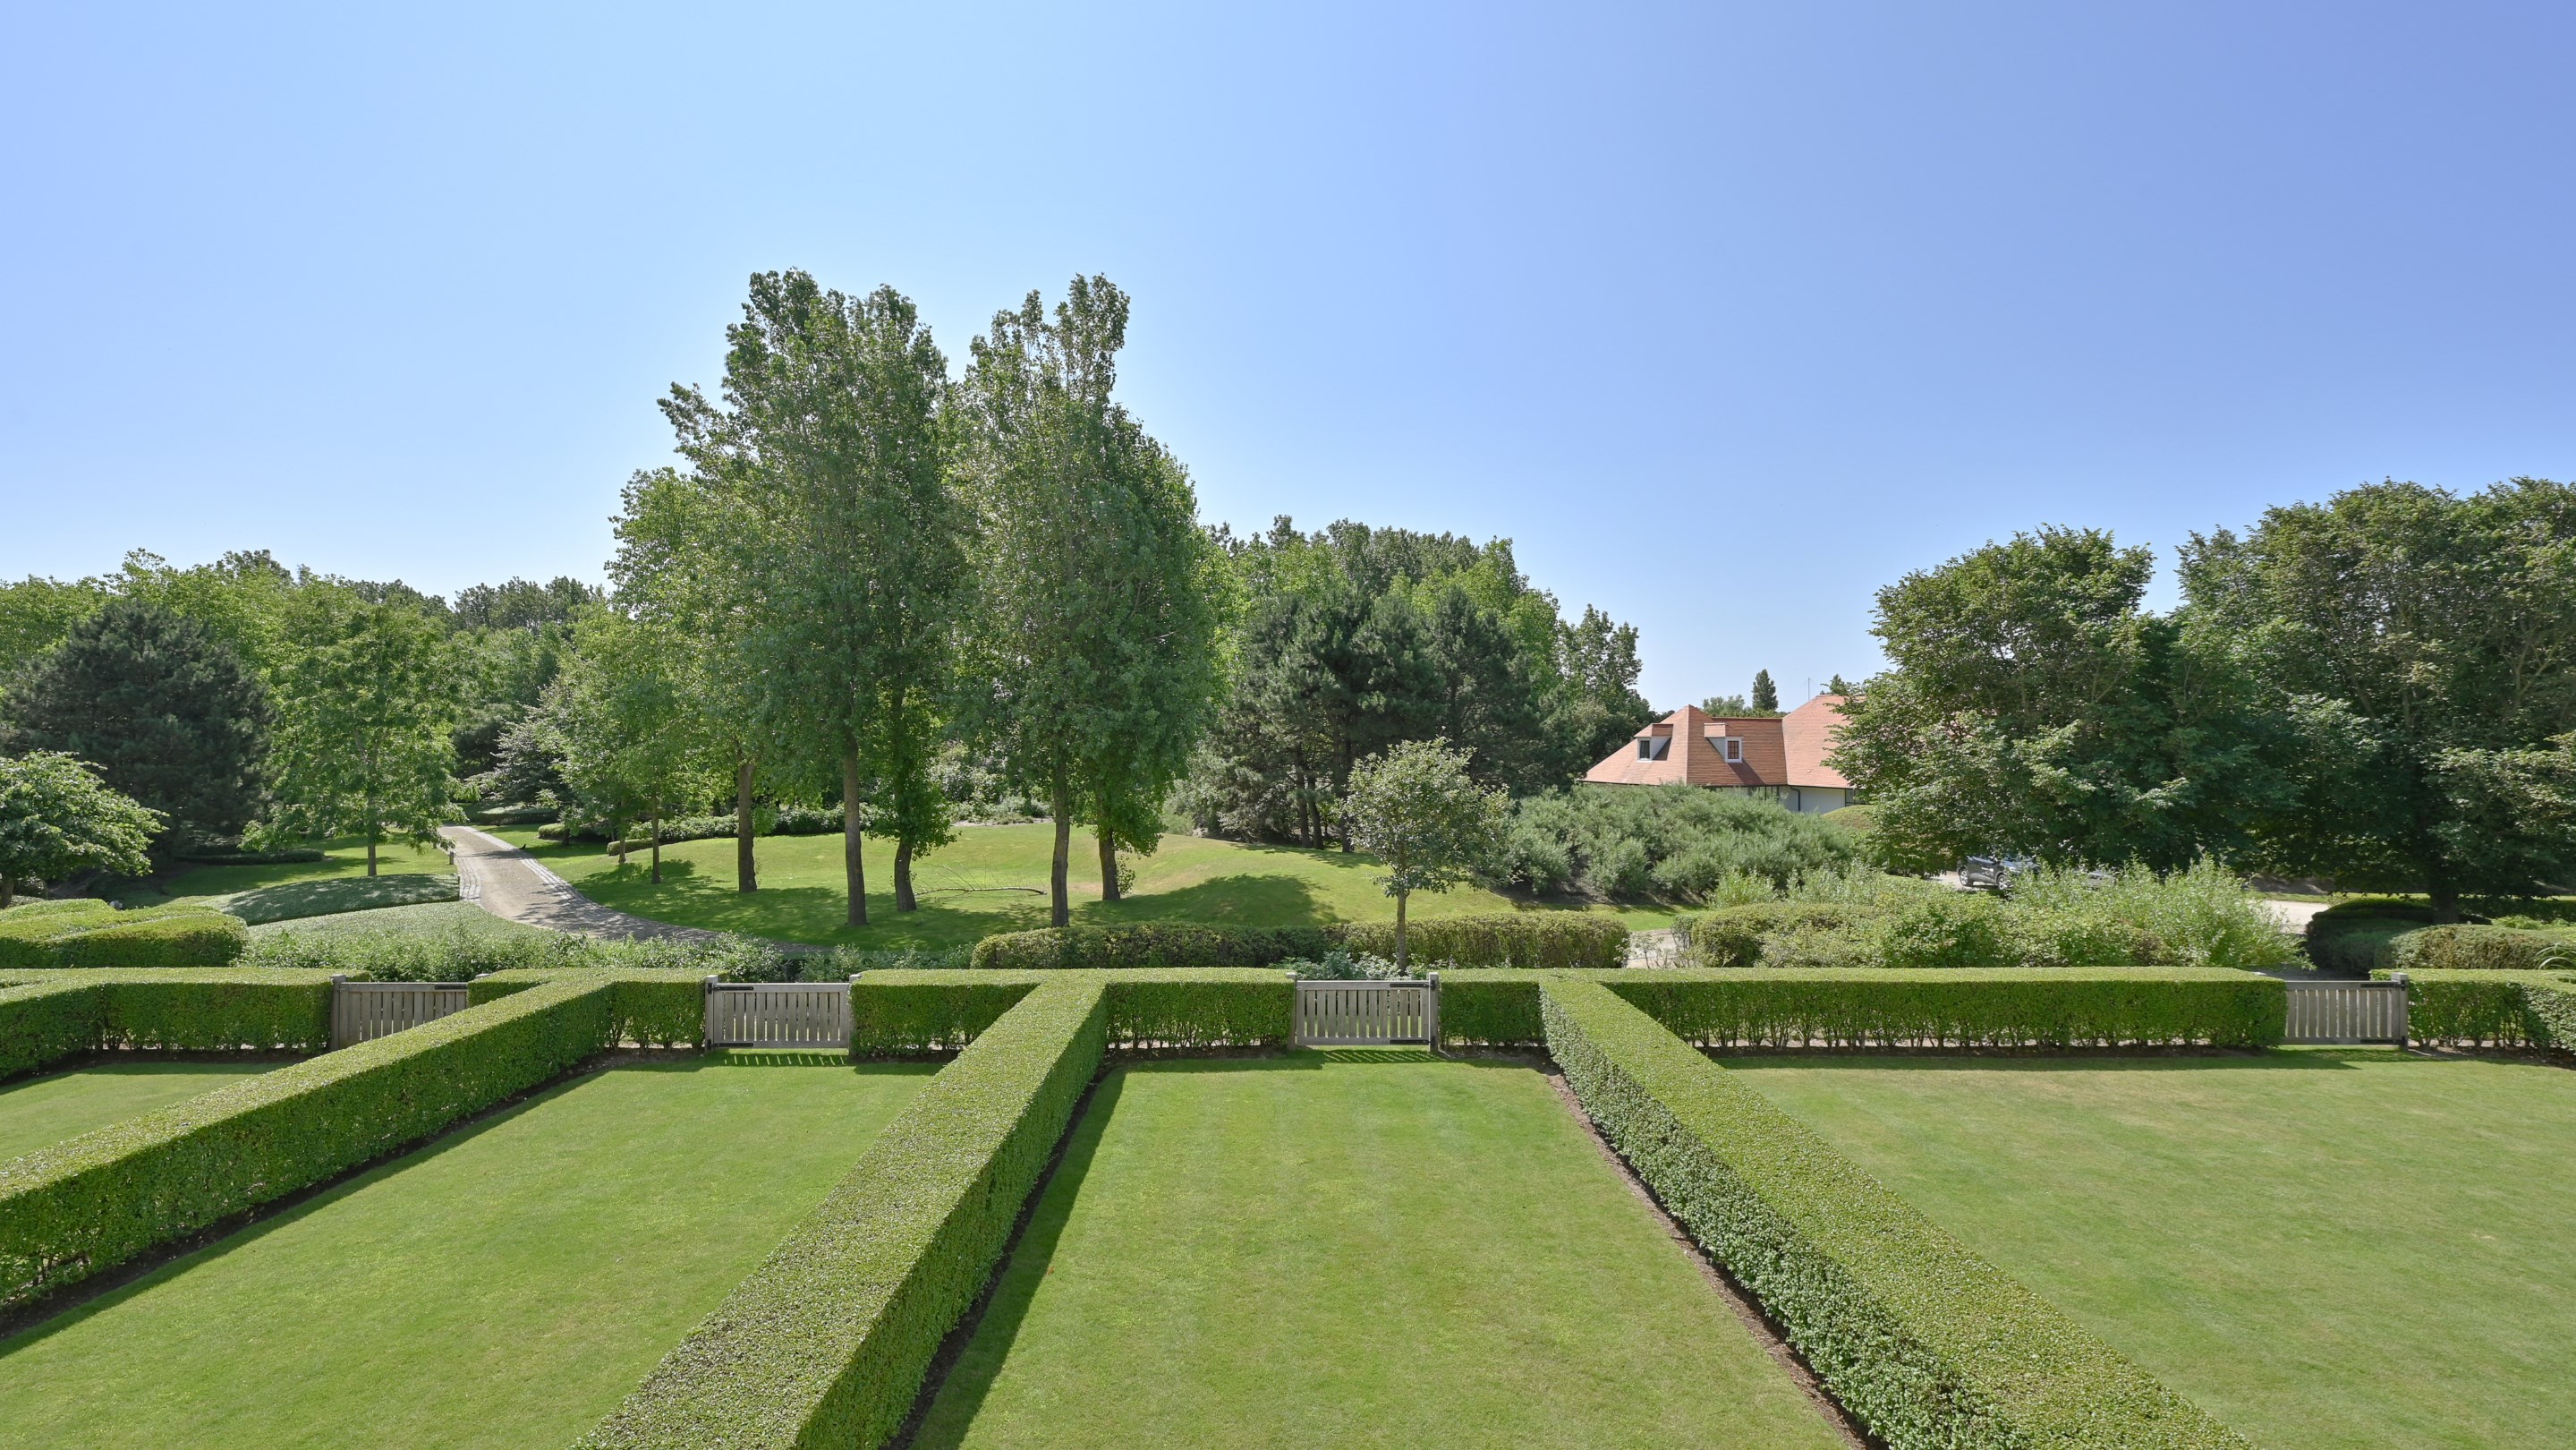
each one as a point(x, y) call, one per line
point(852, 866)
point(746, 869)
point(1108, 866)
point(1059, 909)
point(903, 897)
point(657, 843)
point(371, 848)
point(1399, 934)
point(8, 891)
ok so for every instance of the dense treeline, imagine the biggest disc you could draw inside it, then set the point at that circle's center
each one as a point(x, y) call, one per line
point(2380, 687)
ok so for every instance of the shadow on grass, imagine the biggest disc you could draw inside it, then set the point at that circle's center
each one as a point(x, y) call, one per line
point(291, 900)
point(953, 1411)
point(1243, 899)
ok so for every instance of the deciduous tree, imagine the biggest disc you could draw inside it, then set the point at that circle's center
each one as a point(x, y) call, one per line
point(57, 819)
point(366, 701)
point(1418, 808)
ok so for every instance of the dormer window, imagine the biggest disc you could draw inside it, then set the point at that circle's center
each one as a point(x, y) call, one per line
point(1734, 746)
point(1654, 747)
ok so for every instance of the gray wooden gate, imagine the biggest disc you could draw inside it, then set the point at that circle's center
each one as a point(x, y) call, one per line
point(778, 1014)
point(2347, 1012)
point(365, 1011)
point(1368, 1014)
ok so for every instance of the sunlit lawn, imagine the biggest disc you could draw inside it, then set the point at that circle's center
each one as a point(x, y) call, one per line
point(1353, 1249)
point(993, 878)
point(343, 859)
point(504, 1287)
point(2321, 1247)
point(39, 1112)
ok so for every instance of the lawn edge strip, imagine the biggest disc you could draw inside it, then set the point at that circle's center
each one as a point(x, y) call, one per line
point(829, 1341)
point(92, 1202)
point(1926, 1343)
point(1883, 1007)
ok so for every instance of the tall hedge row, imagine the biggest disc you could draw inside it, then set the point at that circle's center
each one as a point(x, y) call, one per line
point(2478, 949)
point(1558, 939)
point(2491, 1008)
point(1925, 1343)
point(89, 1204)
point(64, 1013)
point(898, 1012)
point(828, 1342)
point(649, 1008)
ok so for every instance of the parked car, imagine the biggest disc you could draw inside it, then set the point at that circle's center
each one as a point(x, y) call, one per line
point(1993, 873)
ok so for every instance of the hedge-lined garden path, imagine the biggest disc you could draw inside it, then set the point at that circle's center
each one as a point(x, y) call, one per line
point(505, 1287)
point(1362, 1248)
point(508, 882)
point(40, 1112)
point(2321, 1247)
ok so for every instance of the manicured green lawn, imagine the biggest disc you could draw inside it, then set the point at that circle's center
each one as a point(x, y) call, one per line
point(1354, 1248)
point(338, 895)
point(504, 1287)
point(40, 1112)
point(438, 919)
point(994, 878)
point(343, 859)
point(2323, 1247)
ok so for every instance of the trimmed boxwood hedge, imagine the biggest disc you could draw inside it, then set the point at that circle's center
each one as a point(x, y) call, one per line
point(828, 1342)
point(64, 1013)
point(902, 1012)
point(646, 1008)
point(1888, 1007)
point(2490, 1008)
point(86, 1205)
point(2478, 949)
point(93, 934)
point(1924, 1342)
point(1520, 939)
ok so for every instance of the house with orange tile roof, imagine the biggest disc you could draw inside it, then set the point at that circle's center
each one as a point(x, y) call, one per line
point(1780, 757)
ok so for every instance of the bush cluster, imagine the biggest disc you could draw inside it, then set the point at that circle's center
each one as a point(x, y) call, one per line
point(1677, 842)
point(828, 1342)
point(91, 933)
point(1564, 939)
point(2482, 1008)
point(1926, 1343)
point(2478, 949)
point(84, 1206)
point(2202, 916)
point(901, 1013)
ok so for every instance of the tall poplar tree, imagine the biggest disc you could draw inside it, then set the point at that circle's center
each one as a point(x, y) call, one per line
point(852, 542)
point(1095, 628)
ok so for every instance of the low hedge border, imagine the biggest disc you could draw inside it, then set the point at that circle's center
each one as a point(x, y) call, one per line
point(86, 1205)
point(93, 934)
point(1533, 939)
point(898, 1013)
point(2460, 948)
point(1924, 1342)
point(2490, 1008)
point(828, 1342)
point(1987, 1007)
point(646, 1008)
point(62, 1014)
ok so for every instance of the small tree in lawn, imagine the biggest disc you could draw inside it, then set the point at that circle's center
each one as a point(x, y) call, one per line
point(57, 818)
point(1415, 807)
point(366, 703)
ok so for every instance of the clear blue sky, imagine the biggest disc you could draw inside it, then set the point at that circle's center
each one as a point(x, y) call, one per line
point(1727, 314)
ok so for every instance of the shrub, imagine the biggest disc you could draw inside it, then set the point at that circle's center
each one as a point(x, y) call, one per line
point(84, 1206)
point(2478, 949)
point(1736, 936)
point(1675, 841)
point(1338, 965)
point(827, 1343)
point(301, 856)
point(2345, 938)
point(1558, 939)
point(1926, 1343)
point(455, 954)
point(2487, 1008)
point(43, 1023)
point(1958, 930)
point(93, 934)
point(895, 1013)
point(1148, 944)
point(2203, 916)
point(1952, 1007)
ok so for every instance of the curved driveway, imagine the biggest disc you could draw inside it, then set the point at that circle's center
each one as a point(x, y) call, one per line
point(511, 884)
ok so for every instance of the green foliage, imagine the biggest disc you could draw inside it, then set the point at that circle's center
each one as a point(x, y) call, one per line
point(58, 819)
point(626, 714)
point(1097, 607)
point(1958, 930)
point(35, 614)
point(2050, 1007)
point(69, 1013)
point(1558, 939)
point(2479, 949)
point(2415, 652)
point(1768, 933)
point(1429, 822)
point(332, 895)
point(1926, 1343)
point(828, 1342)
point(2346, 938)
point(184, 934)
point(1678, 843)
point(2486, 1008)
point(1149, 944)
point(1766, 695)
point(166, 713)
point(1352, 639)
point(2035, 707)
point(366, 701)
point(85, 1206)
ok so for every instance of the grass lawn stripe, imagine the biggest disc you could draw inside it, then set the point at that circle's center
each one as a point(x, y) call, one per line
point(40, 1112)
point(2322, 1247)
point(504, 1287)
point(1353, 1248)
